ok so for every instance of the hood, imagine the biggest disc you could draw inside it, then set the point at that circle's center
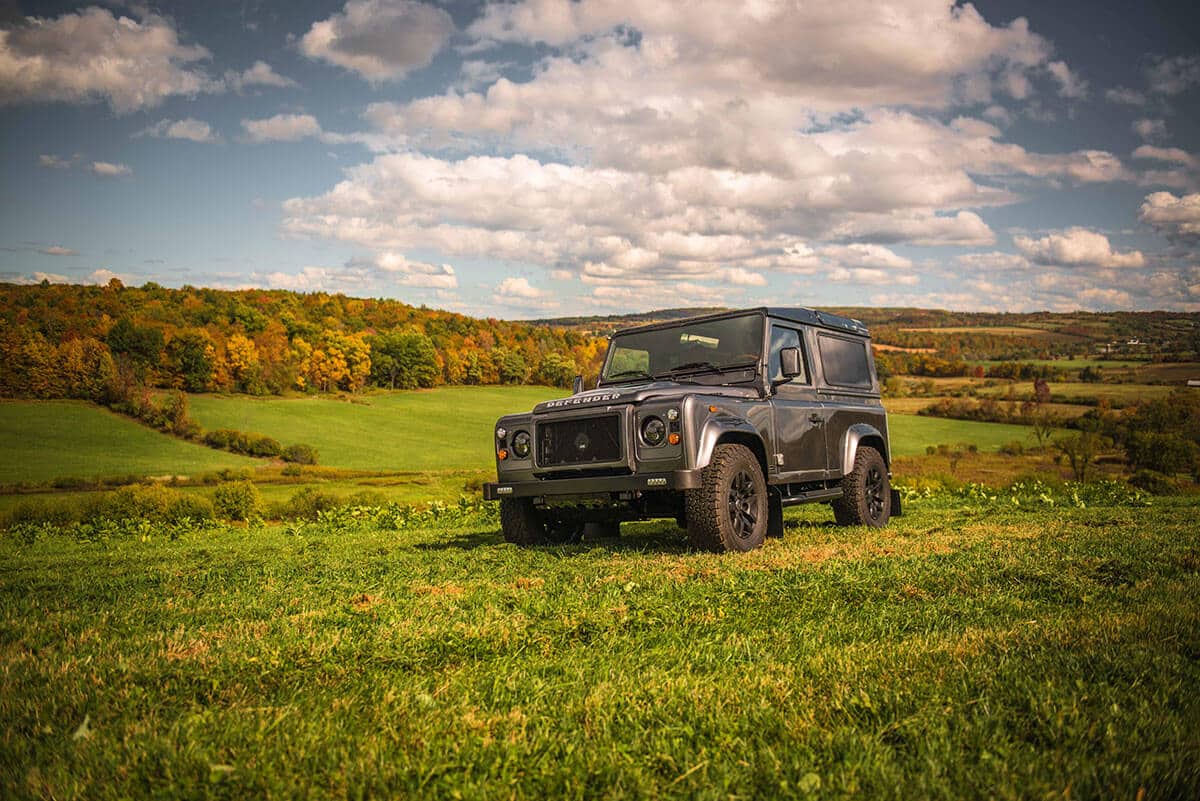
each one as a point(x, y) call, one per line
point(638, 393)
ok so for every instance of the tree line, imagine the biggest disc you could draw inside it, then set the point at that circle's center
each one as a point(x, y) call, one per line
point(66, 341)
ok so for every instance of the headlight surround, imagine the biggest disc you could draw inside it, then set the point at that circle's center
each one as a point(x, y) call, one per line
point(654, 431)
point(521, 444)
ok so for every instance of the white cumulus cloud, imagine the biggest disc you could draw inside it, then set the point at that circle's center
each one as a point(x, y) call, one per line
point(1077, 247)
point(1178, 218)
point(191, 129)
point(107, 169)
point(380, 39)
point(92, 55)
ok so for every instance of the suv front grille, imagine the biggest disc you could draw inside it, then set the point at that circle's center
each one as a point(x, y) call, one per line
point(579, 441)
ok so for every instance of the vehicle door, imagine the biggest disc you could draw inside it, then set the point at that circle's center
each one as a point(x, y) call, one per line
point(798, 416)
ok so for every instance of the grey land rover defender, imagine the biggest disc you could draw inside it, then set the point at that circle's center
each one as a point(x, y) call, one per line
point(718, 421)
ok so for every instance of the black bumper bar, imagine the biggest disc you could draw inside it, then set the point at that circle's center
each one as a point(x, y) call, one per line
point(593, 485)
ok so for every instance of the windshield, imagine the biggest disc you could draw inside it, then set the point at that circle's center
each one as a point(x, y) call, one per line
point(709, 346)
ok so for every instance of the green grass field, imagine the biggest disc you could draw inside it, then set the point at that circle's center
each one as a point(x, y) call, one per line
point(961, 653)
point(44, 440)
point(441, 429)
point(911, 434)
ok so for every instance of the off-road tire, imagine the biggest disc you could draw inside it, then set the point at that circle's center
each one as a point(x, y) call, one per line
point(866, 495)
point(522, 523)
point(730, 509)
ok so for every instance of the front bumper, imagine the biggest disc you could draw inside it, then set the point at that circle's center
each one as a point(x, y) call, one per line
point(593, 485)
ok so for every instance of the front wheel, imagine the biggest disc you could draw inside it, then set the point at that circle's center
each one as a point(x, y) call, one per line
point(522, 523)
point(730, 509)
point(866, 494)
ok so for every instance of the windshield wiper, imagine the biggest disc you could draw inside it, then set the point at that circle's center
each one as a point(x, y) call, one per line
point(714, 368)
point(629, 374)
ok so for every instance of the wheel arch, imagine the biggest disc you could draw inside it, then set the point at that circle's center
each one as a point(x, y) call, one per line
point(863, 434)
point(730, 431)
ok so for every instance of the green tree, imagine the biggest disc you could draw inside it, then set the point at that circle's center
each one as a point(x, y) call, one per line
point(193, 359)
point(511, 366)
point(404, 360)
point(557, 370)
point(137, 345)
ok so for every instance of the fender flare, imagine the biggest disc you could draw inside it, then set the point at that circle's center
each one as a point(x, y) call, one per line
point(721, 426)
point(855, 434)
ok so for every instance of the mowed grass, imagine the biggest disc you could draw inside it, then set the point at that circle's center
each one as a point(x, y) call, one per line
point(960, 653)
point(441, 429)
point(43, 440)
point(911, 435)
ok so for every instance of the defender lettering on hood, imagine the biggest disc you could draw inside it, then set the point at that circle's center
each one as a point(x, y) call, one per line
point(580, 400)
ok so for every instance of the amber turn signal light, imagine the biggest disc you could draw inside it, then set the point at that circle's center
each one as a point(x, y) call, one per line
point(502, 453)
point(673, 439)
point(712, 408)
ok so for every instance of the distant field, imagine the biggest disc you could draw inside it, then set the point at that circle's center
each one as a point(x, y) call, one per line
point(44, 440)
point(914, 405)
point(1123, 393)
point(1065, 364)
point(911, 434)
point(441, 429)
point(998, 330)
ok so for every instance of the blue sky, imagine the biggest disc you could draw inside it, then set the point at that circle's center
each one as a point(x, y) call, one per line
point(551, 157)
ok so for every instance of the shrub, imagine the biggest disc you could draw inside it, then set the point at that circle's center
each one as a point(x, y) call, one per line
point(292, 470)
point(237, 500)
point(300, 454)
point(306, 504)
point(1161, 453)
point(145, 502)
point(260, 445)
point(1014, 448)
point(221, 439)
point(189, 506)
point(1153, 482)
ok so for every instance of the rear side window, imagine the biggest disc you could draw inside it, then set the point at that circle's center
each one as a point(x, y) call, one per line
point(845, 361)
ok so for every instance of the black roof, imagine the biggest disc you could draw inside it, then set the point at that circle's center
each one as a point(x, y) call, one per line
point(795, 314)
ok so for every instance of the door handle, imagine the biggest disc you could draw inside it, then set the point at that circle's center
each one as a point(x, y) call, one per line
point(815, 418)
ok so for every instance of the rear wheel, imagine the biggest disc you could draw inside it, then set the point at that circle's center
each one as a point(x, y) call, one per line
point(866, 494)
point(730, 509)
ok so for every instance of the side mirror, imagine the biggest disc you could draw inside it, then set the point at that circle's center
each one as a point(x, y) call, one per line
point(789, 362)
point(577, 387)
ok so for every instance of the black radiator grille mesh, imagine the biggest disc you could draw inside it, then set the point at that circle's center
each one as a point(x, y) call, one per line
point(579, 441)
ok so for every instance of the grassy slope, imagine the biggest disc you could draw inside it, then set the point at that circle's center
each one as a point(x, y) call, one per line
point(50, 439)
point(957, 654)
point(911, 434)
point(442, 429)
point(439, 430)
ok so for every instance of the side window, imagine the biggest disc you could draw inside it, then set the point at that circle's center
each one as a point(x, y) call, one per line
point(786, 338)
point(844, 361)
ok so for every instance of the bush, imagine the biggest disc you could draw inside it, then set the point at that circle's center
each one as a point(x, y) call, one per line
point(291, 470)
point(305, 505)
point(1014, 448)
point(190, 507)
point(237, 500)
point(1161, 453)
point(260, 445)
point(1153, 482)
point(300, 454)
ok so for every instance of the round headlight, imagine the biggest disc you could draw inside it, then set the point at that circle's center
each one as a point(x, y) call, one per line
point(672, 414)
point(520, 444)
point(501, 433)
point(654, 431)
